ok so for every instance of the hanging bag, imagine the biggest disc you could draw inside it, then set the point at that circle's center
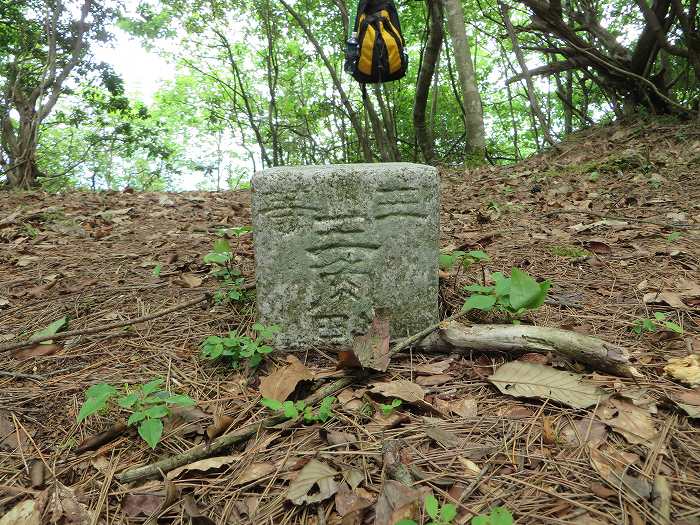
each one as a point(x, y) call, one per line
point(376, 48)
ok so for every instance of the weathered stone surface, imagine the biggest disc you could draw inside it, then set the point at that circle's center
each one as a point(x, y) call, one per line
point(334, 243)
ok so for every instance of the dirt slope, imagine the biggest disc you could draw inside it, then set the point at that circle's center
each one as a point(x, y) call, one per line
point(631, 229)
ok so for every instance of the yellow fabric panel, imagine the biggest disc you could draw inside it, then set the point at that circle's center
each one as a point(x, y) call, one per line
point(385, 14)
point(367, 51)
point(392, 50)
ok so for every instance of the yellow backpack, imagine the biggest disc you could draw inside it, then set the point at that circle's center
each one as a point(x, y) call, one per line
point(376, 49)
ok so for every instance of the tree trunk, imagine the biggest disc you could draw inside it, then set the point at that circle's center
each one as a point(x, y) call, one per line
point(424, 135)
point(534, 104)
point(473, 111)
point(23, 172)
point(352, 114)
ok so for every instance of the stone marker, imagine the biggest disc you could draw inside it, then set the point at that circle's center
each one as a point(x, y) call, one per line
point(334, 243)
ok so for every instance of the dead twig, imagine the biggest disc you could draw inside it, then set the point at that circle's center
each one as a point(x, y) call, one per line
point(105, 328)
point(243, 434)
point(618, 218)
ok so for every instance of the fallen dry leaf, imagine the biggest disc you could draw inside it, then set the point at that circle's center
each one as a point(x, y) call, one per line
point(471, 469)
point(612, 465)
point(149, 498)
point(283, 381)
point(685, 369)
point(313, 484)
point(220, 425)
point(189, 280)
point(405, 390)
point(337, 438)
point(253, 472)
point(532, 380)
point(397, 502)
point(633, 422)
point(438, 367)
point(347, 501)
point(204, 465)
point(25, 513)
point(433, 380)
point(64, 504)
point(583, 432)
point(8, 435)
point(37, 350)
point(668, 297)
point(194, 512)
point(441, 436)
point(372, 349)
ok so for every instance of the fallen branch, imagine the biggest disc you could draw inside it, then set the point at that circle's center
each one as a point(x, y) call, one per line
point(618, 218)
point(242, 434)
point(105, 328)
point(591, 351)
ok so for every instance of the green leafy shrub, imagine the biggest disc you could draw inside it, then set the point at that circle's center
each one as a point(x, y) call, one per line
point(292, 409)
point(237, 348)
point(652, 325)
point(148, 405)
point(514, 294)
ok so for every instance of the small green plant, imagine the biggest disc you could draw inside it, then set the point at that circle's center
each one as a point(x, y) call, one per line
point(157, 270)
point(594, 176)
point(438, 515)
point(388, 409)
point(673, 237)
point(573, 252)
point(31, 231)
point(514, 294)
point(292, 409)
point(148, 405)
point(237, 347)
point(464, 259)
point(652, 325)
point(221, 257)
point(498, 516)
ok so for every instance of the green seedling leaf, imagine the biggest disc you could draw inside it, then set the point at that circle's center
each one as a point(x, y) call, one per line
point(660, 316)
point(151, 386)
point(157, 270)
point(136, 417)
point(151, 431)
point(272, 404)
point(674, 236)
point(406, 522)
point(673, 327)
point(446, 261)
point(478, 255)
point(181, 400)
point(432, 506)
point(101, 390)
point(290, 411)
point(91, 406)
point(216, 258)
point(479, 302)
point(157, 411)
point(477, 288)
point(266, 332)
point(524, 290)
point(51, 329)
point(501, 516)
point(480, 520)
point(222, 246)
point(127, 401)
point(503, 284)
point(326, 409)
point(448, 513)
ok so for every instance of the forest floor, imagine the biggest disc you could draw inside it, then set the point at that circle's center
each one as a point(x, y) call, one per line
point(628, 248)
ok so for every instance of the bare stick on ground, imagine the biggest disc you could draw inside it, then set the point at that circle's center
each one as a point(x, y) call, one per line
point(105, 328)
point(225, 441)
point(591, 351)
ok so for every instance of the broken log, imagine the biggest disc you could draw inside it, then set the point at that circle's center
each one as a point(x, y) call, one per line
point(594, 352)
